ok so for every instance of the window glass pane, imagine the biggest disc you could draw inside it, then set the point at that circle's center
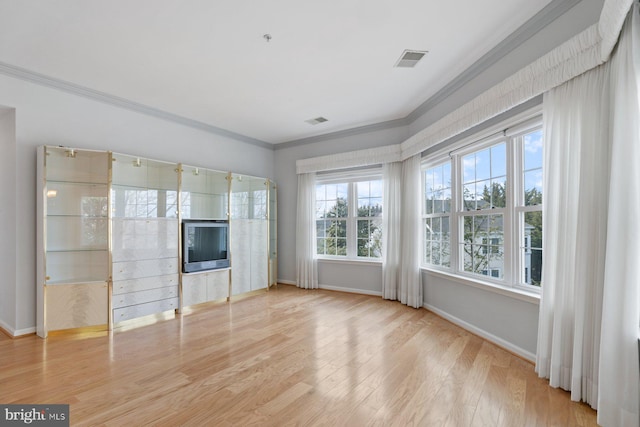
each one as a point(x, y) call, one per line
point(362, 248)
point(467, 254)
point(320, 209)
point(483, 164)
point(533, 187)
point(446, 200)
point(532, 250)
point(483, 195)
point(469, 168)
point(427, 229)
point(369, 198)
point(342, 191)
point(363, 229)
point(435, 253)
point(498, 160)
point(376, 238)
point(427, 251)
point(363, 189)
point(320, 229)
point(469, 195)
point(446, 174)
point(339, 209)
point(445, 243)
point(498, 193)
point(484, 178)
point(483, 244)
point(331, 192)
point(428, 204)
point(376, 206)
point(533, 150)
point(341, 247)
point(320, 246)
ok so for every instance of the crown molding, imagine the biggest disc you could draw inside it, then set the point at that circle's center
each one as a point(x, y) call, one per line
point(95, 95)
point(343, 133)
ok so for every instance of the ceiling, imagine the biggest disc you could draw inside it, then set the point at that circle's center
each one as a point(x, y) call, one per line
point(207, 60)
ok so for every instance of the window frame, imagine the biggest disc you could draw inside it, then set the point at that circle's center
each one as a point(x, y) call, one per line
point(351, 178)
point(513, 212)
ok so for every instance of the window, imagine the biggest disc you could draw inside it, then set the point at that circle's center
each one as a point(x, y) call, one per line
point(530, 207)
point(349, 215)
point(486, 198)
point(437, 208)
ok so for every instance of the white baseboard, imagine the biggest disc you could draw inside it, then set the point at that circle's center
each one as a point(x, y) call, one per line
point(16, 332)
point(337, 288)
point(484, 334)
point(351, 290)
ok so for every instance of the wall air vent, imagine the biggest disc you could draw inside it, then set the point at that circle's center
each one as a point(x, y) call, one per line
point(410, 58)
point(317, 120)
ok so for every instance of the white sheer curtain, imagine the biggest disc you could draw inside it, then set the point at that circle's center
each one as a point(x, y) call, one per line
point(410, 284)
point(306, 262)
point(584, 344)
point(391, 228)
point(618, 390)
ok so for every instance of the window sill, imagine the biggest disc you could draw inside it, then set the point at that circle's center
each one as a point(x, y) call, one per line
point(352, 261)
point(520, 294)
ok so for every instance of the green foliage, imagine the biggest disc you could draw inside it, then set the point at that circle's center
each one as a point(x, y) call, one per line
point(369, 232)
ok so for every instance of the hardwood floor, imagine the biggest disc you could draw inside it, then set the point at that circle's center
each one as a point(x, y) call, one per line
point(286, 357)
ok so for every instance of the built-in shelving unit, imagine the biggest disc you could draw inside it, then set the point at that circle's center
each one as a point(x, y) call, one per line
point(73, 268)
point(144, 211)
point(110, 236)
point(204, 194)
point(249, 230)
point(272, 214)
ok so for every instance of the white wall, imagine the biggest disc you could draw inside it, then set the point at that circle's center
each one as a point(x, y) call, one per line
point(8, 218)
point(510, 321)
point(53, 117)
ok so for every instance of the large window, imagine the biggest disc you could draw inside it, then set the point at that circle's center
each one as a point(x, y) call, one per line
point(349, 216)
point(487, 199)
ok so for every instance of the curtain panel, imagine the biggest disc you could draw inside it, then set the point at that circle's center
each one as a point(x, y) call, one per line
point(306, 262)
point(410, 283)
point(590, 308)
point(391, 229)
point(618, 397)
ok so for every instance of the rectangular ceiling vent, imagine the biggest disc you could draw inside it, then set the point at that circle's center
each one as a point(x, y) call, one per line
point(410, 58)
point(316, 121)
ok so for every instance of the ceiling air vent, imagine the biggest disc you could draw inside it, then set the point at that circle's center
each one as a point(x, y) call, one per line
point(317, 120)
point(410, 58)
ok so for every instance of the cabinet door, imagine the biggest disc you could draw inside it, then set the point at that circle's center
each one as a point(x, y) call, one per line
point(194, 289)
point(76, 306)
point(217, 285)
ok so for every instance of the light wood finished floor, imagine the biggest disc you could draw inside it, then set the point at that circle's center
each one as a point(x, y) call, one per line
point(286, 357)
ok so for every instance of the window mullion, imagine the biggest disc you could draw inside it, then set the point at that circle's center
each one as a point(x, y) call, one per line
point(456, 204)
point(511, 220)
point(352, 227)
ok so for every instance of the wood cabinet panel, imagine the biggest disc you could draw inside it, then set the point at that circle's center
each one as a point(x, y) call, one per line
point(75, 306)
